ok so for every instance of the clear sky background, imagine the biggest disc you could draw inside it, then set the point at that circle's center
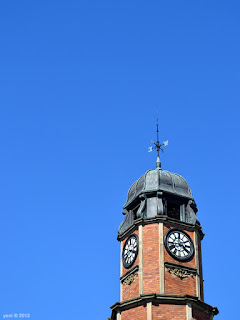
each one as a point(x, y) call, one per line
point(80, 84)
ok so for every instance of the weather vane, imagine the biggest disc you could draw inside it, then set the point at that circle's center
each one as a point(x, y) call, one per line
point(158, 146)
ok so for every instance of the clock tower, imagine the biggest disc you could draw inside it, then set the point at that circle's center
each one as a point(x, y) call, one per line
point(161, 263)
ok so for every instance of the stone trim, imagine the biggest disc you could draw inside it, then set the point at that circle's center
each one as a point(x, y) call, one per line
point(149, 311)
point(121, 269)
point(158, 219)
point(161, 259)
point(140, 234)
point(197, 265)
point(143, 299)
point(189, 311)
point(181, 272)
point(129, 276)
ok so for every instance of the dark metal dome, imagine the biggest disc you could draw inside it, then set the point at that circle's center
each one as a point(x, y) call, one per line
point(159, 180)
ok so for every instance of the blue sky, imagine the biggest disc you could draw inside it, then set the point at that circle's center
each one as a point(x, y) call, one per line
point(80, 85)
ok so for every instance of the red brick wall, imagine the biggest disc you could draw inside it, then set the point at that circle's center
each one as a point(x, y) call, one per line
point(151, 258)
point(174, 285)
point(163, 312)
point(130, 291)
point(151, 277)
point(168, 312)
point(138, 313)
point(199, 314)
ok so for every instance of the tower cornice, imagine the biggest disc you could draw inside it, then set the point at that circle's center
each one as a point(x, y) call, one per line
point(161, 219)
point(154, 298)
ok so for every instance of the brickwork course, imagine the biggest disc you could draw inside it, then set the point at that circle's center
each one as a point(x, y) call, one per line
point(167, 312)
point(138, 313)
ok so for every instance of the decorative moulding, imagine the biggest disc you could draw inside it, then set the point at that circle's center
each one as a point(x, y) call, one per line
point(160, 219)
point(129, 276)
point(161, 299)
point(181, 272)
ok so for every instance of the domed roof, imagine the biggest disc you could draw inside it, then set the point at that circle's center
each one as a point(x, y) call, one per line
point(159, 180)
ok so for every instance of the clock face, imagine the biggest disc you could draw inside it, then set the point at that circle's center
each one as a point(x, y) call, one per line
point(130, 251)
point(179, 245)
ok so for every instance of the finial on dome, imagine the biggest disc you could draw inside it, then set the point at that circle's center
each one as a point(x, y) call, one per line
point(158, 164)
point(158, 146)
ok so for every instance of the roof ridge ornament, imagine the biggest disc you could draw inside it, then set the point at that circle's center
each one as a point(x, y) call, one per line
point(158, 146)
